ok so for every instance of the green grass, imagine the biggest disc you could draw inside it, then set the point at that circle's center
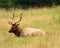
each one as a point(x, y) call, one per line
point(47, 19)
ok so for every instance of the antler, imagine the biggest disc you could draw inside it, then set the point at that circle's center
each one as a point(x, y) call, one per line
point(11, 22)
point(19, 19)
point(12, 18)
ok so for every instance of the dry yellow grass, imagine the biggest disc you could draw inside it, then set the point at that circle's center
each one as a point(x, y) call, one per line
point(45, 18)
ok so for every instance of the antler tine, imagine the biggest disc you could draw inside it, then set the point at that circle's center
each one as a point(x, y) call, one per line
point(11, 22)
point(12, 17)
point(19, 19)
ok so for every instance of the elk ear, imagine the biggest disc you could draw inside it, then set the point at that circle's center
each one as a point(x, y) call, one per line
point(9, 22)
point(18, 24)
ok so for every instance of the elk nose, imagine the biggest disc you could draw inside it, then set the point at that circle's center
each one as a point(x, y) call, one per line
point(9, 31)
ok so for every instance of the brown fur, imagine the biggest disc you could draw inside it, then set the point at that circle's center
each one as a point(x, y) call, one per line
point(25, 32)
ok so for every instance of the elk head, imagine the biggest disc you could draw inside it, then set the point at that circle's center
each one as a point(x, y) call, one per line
point(14, 28)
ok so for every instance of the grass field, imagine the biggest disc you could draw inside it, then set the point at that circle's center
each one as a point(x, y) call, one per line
point(47, 19)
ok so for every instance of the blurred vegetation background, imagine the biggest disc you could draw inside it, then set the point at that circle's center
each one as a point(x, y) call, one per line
point(28, 3)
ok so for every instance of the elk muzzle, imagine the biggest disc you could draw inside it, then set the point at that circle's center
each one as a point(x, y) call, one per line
point(9, 31)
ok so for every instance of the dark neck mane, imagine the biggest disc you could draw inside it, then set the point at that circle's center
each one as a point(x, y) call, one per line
point(18, 31)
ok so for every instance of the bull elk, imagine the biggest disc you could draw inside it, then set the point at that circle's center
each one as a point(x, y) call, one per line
point(28, 31)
